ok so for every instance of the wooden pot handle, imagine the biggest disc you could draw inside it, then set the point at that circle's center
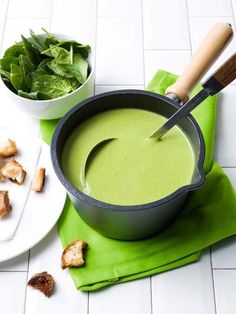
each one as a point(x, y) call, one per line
point(212, 46)
point(222, 77)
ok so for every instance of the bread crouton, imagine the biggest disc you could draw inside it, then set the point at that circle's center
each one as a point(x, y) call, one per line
point(2, 163)
point(38, 180)
point(14, 171)
point(72, 256)
point(5, 206)
point(8, 148)
point(2, 178)
point(44, 282)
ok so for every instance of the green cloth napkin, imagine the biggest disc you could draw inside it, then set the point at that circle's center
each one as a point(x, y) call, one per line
point(209, 215)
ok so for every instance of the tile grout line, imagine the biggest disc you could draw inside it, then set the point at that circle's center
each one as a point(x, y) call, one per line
point(88, 302)
point(142, 26)
point(209, 16)
point(221, 268)
point(189, 31)
point(50, 24)
point(27, 280)
point(151, 296)
point(4, 25)
point(168, 49)
point(232, 9)
point(95, 47)
point(213, 282)
point(13, 271)
point(29, 18)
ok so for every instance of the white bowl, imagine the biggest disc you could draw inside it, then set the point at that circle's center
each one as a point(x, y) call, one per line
point(58, 107)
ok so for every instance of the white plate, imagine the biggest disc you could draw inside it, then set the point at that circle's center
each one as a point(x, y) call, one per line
point(40, 211)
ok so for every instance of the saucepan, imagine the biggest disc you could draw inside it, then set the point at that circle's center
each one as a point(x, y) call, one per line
point(139, 221)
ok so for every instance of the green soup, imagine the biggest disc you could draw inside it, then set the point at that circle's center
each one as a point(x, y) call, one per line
point(131, 169)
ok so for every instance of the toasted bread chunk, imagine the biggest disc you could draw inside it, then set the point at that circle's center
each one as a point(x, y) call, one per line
point(14, 171)
point(44, 282)
point(5, 206)
point(38, 180)
point(2, 163)
point(2, 178)
point(8, 148)
point(72, 256)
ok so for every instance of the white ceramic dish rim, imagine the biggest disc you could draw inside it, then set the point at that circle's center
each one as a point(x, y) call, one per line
point(90, 62)
point(40, 238)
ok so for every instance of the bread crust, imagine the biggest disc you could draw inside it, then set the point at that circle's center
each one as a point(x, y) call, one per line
point(38, 180)
point(8, 148)
point(2, 163)
point(43, 282)
point(72, 256)
point(5, 206)
point(14, 171)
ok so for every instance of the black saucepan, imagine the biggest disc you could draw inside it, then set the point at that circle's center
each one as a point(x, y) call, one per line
point(135, 222)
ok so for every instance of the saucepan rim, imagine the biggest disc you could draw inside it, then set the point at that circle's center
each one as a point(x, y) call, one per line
point(91, 201)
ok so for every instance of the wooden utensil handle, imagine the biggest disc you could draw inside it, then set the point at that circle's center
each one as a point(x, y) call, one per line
point(222, 77)
point(212, 46)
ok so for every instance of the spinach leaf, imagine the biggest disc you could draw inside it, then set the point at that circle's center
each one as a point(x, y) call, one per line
point(51, 86)
point(17, 77)
point(43, 67)
point(30, 51)
point(14, 51)
point(5, 63)
point(49, 35)
point(5, 74)
point(61, 55)
point(77, 48)
point(74, 83)
point(33, 96)
point(60, 69)
point(79, 68)
point(8, 84)
point(82, 49)
point(31, 77)
point(37, 41)
point(26, 67)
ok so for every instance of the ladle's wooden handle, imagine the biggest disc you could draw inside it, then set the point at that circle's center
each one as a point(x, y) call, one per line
point(222, 77)
point(211, 47)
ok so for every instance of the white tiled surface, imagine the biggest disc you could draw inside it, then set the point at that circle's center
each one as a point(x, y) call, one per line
point(133, 38)
point(225, 151)
point(12, 291)
point(118, 57)
point(190, 288)
point(209, 8)
point(169, 60)
point(165, 24)
point(76, 18)
point(22, 9)
point(46, 257)
point(128, 8)
point(225, 285)
point(133, 297)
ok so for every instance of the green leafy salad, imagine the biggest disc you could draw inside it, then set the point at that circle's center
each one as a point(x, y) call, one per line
point(44, 67)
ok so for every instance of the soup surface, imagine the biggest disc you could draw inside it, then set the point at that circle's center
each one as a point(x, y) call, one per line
point(129, 169)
